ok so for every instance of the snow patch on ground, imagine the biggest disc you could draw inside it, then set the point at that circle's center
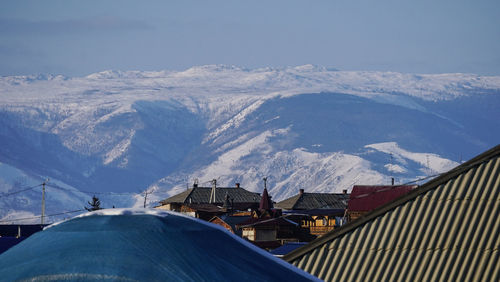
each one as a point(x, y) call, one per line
point(395, 168)
point(432, 162)
point(119, 150)
point(235, 122)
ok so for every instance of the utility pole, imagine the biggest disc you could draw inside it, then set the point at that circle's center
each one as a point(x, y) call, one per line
point(43, 201)
point(145, 197)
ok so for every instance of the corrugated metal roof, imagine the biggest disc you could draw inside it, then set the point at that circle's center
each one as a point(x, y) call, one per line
point(446, 230)
point(199, 195)
point(308, 201)
point(370, 197)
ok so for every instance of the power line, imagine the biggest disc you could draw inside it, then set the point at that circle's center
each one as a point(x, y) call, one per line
point(421, 179)
point(39, 216)
point(92, 192)
point(20, 191)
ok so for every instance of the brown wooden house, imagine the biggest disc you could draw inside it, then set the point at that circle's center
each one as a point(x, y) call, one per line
point(317, 212)
point(207, 202)
point(268, 228)
point(229, 221)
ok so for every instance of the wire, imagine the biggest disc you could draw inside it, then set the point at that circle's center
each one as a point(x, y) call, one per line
point(39, 216)
point(20, 191)
point(424, 178)
point(92, 192)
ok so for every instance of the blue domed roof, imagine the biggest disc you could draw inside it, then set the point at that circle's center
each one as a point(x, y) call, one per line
point(126, 244)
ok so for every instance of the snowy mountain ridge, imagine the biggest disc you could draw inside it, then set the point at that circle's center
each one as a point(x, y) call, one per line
point(303, 127)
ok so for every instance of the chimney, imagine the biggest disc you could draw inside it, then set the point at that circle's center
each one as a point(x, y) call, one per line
point(344, 191)
point(392, 181)
point(237, 185)
point(301, 191)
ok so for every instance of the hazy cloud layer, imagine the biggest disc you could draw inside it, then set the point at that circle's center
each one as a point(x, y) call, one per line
point(95, 24)
point(82, 37)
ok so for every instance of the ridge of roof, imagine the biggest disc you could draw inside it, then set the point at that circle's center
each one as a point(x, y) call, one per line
point(430, 185)
point(195, 191)
point(292, 202)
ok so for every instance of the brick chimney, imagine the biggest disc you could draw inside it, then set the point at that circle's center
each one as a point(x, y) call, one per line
point(237, 185)
point(301, 191)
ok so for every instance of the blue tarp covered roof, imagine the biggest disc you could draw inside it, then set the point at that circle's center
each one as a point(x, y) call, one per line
point(127, 245)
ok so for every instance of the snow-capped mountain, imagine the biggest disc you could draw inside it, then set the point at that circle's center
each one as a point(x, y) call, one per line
point(118, 133)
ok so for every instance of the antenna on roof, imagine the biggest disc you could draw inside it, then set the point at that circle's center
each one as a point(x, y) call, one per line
point(391, 169)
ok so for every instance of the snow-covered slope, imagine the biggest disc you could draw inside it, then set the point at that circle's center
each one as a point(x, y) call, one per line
point(118, 133)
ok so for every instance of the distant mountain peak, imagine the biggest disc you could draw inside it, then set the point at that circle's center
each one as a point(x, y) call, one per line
point(302, 127)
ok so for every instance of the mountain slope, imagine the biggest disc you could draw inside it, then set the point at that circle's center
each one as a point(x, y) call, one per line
point(118, 133)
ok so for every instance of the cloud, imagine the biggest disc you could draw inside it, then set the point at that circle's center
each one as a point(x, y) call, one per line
point(93, 25)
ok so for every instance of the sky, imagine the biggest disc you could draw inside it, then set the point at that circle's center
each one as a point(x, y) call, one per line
point(76, 38)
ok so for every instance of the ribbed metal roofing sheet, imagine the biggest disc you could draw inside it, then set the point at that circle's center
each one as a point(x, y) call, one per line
point(446, 230)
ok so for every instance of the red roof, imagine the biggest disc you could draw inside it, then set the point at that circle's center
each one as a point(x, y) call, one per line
point(370, 197)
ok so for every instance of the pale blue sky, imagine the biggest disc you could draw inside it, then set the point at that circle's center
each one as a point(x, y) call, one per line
point(76, 38)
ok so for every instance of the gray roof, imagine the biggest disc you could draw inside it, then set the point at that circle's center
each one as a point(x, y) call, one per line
point(201, 195)
point(446, 230)
point(309, 201)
